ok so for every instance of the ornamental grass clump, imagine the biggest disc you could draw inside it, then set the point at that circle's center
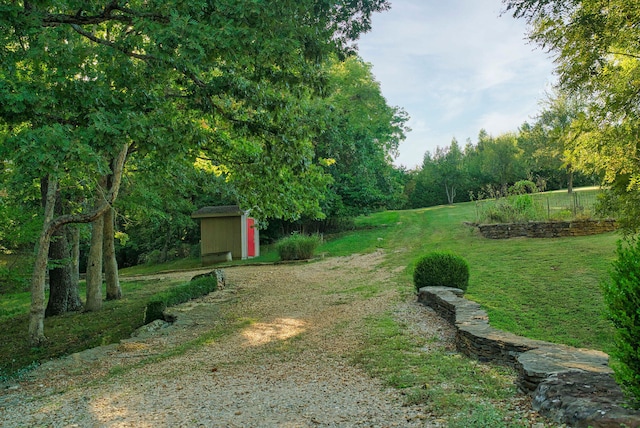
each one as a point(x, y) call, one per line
point(297, 247)
point(441, 269)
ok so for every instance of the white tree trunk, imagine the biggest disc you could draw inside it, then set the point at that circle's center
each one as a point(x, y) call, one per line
point(36, 313)
point(114, 291)
point(94, 264)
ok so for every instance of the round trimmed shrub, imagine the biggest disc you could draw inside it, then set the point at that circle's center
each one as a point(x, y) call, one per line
point(441, 269)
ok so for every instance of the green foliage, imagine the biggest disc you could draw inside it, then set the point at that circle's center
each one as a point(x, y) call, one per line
point(358, 141)
point(551, 206)
point(231, 84)
point(179, 294)
point(441, 269)
point(523, 186)
point(596, 50)
point(622, 296)
point(15, 270)
point(512, 209)
point(297, 247)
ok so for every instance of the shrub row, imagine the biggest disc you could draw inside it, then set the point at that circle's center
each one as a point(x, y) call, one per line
point(183, 293)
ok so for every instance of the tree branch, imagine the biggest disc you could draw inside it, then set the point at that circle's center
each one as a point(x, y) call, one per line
point(125, 16)
point(625, 54)
point(105, 204)
point(112, 45)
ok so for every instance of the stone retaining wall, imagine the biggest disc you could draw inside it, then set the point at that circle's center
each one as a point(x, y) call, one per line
point(551, 229)
point(540, 364)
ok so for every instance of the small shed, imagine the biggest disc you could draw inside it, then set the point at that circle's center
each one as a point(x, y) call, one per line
point(226, 233)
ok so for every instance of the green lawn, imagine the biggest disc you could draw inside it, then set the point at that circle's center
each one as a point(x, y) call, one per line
point(547, 289)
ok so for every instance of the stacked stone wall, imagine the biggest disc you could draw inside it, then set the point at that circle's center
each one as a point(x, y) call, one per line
point(551, 229)
point(547, 371)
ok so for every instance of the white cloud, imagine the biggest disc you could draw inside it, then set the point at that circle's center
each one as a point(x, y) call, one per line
point(456, 67)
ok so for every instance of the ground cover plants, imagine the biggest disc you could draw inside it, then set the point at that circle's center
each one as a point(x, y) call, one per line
point(467, 393)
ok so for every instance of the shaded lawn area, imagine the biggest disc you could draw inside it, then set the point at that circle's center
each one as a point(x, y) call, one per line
point(72, 332)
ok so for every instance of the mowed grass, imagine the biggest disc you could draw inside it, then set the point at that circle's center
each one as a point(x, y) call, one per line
point(546, 289)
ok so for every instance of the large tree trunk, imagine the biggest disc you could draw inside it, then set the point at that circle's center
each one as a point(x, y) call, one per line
point(36, 313)
point(50, 224)
point(94, 264)
point(569, 178)
point(60, 275)
point(63, 290)
point(114, 291)
point(73, 301)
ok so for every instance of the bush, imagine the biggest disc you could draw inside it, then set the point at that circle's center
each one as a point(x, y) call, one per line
point(441, 269)
point(622, 297)
point(297, 247)
point(183, 293)
point(512, 209)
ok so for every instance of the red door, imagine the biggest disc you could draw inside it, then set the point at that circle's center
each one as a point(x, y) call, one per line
point(251, 238)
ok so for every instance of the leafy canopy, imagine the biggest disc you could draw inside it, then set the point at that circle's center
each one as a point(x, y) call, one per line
point(229, 78)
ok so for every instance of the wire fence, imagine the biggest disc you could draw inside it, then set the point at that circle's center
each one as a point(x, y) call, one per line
point(539, 207)
point(564, 205)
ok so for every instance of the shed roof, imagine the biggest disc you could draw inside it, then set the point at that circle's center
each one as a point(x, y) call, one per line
point(221, 211)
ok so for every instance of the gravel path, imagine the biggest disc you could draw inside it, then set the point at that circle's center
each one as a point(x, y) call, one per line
point(272, 351)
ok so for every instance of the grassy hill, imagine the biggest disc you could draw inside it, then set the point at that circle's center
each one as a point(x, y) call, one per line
point(547, 289)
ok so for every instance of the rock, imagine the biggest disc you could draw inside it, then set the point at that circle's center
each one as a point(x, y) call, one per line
point(547, 229)
point(150, 328)
point(217, 273)
point(584, 399)
point(570, 385)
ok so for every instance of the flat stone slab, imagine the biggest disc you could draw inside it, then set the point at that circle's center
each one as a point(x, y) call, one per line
point(552, 359)
point(583, 399)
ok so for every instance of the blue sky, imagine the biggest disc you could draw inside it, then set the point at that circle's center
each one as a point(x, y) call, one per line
point(456, 66)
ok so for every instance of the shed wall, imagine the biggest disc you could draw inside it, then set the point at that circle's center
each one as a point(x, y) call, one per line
point(220, 234)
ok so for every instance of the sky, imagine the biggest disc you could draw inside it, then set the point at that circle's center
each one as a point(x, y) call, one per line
point(456, 67)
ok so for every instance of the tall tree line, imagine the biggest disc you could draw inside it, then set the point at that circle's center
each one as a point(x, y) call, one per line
point(536, 152)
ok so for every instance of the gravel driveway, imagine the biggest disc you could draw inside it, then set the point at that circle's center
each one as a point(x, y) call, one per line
point(270, 350)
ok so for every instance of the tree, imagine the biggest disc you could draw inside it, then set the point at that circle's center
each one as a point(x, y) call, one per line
point(501, 160)
point(427, 189)
point(449, 166)
point(440, 178)
point(83, 84)
point(359, 138)
point(559, 113)
point(597, 55)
